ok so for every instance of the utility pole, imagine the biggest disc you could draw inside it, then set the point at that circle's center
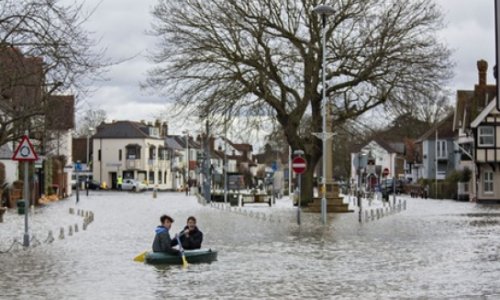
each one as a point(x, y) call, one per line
point(225, 160)
point(207, 173)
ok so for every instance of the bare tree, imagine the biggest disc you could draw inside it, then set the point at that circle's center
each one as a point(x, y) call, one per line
point(89, 120)
point(263, 58)
point(429, 106)
point(44, 50)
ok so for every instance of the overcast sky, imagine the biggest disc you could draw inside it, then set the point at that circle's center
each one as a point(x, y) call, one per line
point(121, 27)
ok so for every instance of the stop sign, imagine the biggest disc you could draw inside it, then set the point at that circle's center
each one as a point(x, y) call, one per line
point(299, 165)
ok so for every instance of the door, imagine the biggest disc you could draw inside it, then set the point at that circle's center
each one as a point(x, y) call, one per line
point(113, 180)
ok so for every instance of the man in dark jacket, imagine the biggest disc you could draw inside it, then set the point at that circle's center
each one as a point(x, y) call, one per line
point(162, 241)
point(192, 237)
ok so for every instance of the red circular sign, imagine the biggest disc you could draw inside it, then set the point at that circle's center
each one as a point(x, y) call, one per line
point(385, 172)
point(299, 165)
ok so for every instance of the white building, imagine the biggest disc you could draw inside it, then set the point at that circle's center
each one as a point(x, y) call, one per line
point(11, 166)
point(377, 160)
point(131, 150)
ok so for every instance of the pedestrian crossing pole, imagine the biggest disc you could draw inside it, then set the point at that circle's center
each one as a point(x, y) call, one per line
point(26, 238)
point(26, 154)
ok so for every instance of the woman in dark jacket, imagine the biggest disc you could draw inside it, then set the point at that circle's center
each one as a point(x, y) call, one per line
point(192, 237)
point(162, 241)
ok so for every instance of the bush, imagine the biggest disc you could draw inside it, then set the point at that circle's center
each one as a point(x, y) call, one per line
point(445, 190)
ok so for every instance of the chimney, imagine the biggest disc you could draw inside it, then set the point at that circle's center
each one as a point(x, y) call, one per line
point(164, 129)
point(482, 67)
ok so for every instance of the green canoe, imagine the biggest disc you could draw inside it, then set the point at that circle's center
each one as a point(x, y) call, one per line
point(192, 257)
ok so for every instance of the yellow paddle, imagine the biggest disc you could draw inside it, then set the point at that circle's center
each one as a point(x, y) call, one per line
point(184, 260)
point(141, 257)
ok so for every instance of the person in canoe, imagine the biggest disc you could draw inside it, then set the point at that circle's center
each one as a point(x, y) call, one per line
point(191, 237)
point(162, 241)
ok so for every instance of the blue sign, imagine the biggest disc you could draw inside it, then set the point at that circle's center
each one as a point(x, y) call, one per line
point(78, 166)
point(274, 166)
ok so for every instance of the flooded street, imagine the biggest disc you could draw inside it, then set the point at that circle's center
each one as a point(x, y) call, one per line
point(434, 249)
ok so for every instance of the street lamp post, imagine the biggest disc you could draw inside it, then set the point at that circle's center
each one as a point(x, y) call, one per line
point(90, 131)
point(225, 161)
point(207, 167)
point(186, 132)
point(323, 11)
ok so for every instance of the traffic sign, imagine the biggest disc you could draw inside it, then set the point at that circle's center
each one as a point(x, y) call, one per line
point(299, 165)
point(25, 151)
point(385, 172)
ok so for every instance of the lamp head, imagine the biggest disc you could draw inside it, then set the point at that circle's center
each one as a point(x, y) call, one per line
point(324, 10)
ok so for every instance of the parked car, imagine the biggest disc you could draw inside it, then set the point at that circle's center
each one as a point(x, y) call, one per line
point(133, 185)
point(93, 185)
point(386, 186)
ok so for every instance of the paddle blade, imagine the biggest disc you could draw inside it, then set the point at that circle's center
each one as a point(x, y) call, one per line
point(141, 257)
point(184, 261)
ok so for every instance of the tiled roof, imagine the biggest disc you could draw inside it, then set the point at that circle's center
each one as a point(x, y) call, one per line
point(469, 104)
point(178, 142)
point(123, 130)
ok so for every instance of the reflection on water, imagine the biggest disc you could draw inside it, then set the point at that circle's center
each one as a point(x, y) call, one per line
point(435, 249)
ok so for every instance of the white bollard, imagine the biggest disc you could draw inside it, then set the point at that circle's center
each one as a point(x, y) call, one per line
point(76, 228)
point(61, 233)
point(70, 230)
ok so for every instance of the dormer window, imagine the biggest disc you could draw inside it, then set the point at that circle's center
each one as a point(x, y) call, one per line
point(154, 132)
point(486, 136)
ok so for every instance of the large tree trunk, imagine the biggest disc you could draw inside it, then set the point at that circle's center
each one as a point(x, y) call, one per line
point(307, 190)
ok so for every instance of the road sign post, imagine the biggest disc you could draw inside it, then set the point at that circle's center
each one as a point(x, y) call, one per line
point(78, 168)
point(299, 166)
point(25, 153)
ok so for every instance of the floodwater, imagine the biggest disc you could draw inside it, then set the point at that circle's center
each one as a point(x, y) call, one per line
point(433, 250)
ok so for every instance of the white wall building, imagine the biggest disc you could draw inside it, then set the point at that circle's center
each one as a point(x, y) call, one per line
point(131, 150)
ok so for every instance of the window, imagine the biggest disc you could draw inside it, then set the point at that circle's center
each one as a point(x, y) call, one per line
point(133, 151)
point(120, 155)
point(442, 151)
point(486, 136)
point(152, 152)
point(488, 182)
point(99, 155)
point(161, 153)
